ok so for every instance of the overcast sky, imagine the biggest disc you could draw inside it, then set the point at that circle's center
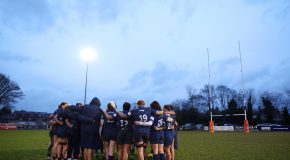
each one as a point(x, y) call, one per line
point(150, 49)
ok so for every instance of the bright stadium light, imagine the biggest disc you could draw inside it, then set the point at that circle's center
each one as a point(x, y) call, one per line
point(87, 54)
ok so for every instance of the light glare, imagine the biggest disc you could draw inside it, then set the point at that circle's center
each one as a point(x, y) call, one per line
point(88, 54)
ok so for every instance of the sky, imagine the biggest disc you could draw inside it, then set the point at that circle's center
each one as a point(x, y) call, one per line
point(146, 49)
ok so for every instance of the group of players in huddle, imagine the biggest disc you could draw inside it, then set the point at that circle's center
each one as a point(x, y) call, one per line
point(88, 128)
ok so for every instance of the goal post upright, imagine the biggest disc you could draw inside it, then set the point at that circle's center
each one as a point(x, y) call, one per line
point(246, 122)
point(211, 122)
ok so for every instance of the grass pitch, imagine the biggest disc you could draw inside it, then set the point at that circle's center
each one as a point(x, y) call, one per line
point(32, 144)
point(234, 146)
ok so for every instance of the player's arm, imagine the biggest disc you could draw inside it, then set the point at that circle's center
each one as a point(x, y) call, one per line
point(50, 116)
point(68, 123)
point(175, 124)
point(156, 112)
point(171, 112)
point(55, 118)
point(52, 122)
point(158, 128)
point(74, 115)
point(170, 119)
point(50, 119)
point(75, 108)
point(149, 123)
point(107, 116)
point(84, 119)
point(101, 127)
point(123, 115)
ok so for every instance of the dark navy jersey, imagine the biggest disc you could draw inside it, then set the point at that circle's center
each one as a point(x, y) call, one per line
point(168, 122)
point(56, 111)
point(174, 125)
point(174, 117)
point(60, 118)
point(111, 123)
point(143, 114)
point(125, 123)
point(158, 121)
point(75, 123)
point(94, 112)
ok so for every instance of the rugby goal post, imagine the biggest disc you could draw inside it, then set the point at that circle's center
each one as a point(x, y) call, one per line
point(246, 122)
point(211, 122)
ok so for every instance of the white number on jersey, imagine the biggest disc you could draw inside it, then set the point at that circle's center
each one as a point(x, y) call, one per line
point(143, 118)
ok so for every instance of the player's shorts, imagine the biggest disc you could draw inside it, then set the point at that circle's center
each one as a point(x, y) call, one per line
point(168, 138)
point(174, 132)
point(62, 131)
point(53, 130)
point(110, 134)
point(140, 136)
point(125, 137)
point(156, 137)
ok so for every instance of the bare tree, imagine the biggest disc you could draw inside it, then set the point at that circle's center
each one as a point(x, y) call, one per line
point(275, 97)
point(9, 91)
point(243, 95)
point(191, 92)
point(250, 94)
point(206, 98)
point(179, 104)
point(195, 100)
point(224, 95)
point(287, 98)
point(269, 109)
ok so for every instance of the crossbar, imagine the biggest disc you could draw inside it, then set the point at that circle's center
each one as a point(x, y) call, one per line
point(222, 115)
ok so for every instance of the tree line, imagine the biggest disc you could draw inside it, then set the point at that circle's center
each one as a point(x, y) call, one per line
point(262, 107)
point(10, 92)
point(266, 106)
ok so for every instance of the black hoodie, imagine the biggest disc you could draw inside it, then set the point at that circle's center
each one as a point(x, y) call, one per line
point(95, 101)
point(93, 110)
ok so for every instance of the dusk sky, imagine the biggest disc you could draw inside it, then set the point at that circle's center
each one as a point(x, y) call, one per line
point(146, 49)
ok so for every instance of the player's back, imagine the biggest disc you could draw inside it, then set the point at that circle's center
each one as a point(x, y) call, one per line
point(111, 123)
point(141, 114)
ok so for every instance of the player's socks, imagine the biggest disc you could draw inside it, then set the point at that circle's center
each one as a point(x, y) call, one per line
point(111, 158)
point(161, 156)
point(155, 156)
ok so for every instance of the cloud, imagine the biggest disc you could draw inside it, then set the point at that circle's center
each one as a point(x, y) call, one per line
point(95, 12)
point(161, 76)
point(280, 74)
point(184, 9)
point(159, 45)
point(255, 76)
point(162, 81)
point(226, 72)
point(226, 63)
point(256, 2)
point(138, 79)
point(8, 56)
point(273, 10)
point(28, 15)
point(285, 13)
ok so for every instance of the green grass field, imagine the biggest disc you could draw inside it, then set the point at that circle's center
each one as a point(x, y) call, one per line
point(32, 144)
